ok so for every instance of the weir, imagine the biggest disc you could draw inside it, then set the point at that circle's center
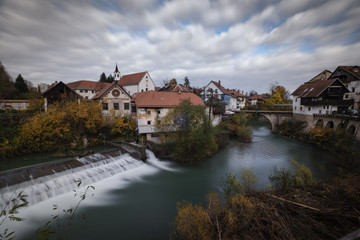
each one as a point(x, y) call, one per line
point(45, 181)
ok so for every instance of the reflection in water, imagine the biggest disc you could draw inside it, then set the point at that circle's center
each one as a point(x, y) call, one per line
point(140, 203)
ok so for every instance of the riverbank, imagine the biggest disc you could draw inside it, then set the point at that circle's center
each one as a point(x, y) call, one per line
point(341, 144)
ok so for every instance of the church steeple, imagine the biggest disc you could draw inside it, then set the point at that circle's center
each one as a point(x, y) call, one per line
point(117, 74)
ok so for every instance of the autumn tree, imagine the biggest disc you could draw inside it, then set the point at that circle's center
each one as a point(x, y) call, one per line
point(173, 81)
point(279, 94)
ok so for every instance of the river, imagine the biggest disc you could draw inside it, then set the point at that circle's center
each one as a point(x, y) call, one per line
point(141, 202)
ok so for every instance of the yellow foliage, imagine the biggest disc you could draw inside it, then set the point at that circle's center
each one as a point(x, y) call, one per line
point(239, 212)
point(60, 126)
point(123, 125)
point(192, 222)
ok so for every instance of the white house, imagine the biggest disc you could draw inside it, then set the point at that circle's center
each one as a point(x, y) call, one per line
point(136, 82)
point(320, 96)
point(152, 105)
point(233, 100)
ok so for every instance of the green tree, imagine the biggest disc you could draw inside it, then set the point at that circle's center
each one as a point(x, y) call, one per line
point(7, 88)
point(186, 82)
point(194, 137)
point(110, 79)
point(103, 77)
point(20, 84)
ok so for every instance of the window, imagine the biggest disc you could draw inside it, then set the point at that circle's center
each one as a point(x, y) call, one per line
point(126, 106)
point(309, 109)
point(295, 108)
point(327, 107)
point(149, 112)
point(86, 97)
point(146, 89)
point(92, 91)
point(86, 91)
point(295, 99)
point(105, 106)
point(158, 111)
point(149, 122)
point(300, 108)
point(320, 111)
point(353, 89)
point(80, 90)
point(116, 106)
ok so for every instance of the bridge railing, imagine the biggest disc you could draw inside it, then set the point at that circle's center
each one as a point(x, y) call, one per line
point(266, 111)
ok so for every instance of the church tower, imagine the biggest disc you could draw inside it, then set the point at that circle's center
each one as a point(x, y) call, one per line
point(117, 74)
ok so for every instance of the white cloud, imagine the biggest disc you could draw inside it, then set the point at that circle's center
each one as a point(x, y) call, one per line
point(246, 44)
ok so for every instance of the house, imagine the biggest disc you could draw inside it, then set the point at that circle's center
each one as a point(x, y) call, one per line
point(152, 105)
point(240, 99)
point(7, 104)
point(88, 89)
point(58, 92)
point(256, 99)
point(320, 96)
point(350, 76)
point(136, 82)
point(114, 99)
point(232, 102)
point(174, 88)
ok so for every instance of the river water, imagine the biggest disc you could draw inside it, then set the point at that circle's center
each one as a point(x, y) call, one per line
point(141, 202)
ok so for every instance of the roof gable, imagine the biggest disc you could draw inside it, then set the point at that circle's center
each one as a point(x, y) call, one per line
point(131, 79)
point(103, 91)
point(315, 87)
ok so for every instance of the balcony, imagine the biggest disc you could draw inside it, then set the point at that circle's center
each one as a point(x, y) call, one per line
point(333, 102)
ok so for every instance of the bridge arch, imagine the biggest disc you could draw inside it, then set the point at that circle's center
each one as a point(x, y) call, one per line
point(319, 123)
point(351, 129)
point(340, 127)
point(330, 124)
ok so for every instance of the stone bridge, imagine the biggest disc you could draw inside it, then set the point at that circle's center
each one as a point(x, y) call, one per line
point(275, 117)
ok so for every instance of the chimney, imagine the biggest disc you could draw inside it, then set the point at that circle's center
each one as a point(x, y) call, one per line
point(356, 68)
point(219, 82)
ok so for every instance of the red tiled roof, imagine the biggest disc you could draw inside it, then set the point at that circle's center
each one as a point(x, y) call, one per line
point(174, 88)
point(86, 84)
point(224, 90)
point(236, 94)
point(13, 101)
point(165, 99)
point(257, 97)
point(131, 79)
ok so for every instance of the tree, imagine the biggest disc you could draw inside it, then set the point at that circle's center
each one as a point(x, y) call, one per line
point(279, 94)
point(173, 81)
point(7, 88)
point(21, 85)
point(214, 102)
point(193, 138)
point(103, 77)
point(252, 93)
point(186, 82)
point(110, 79)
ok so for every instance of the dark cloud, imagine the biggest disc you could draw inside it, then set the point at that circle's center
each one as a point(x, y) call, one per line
point(247, 44)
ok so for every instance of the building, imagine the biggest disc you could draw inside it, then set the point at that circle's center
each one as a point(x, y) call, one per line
point(136, 82)
point(321, 96)
point(233, 102)
point(19, 105)
point(350, 76)
point(256, 99)
point(58, 92)
point(152, 105)
point(174, 88)
point(114, 99)
point(88, 89)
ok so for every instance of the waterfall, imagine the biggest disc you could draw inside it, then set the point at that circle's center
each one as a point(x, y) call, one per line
point(61, 178)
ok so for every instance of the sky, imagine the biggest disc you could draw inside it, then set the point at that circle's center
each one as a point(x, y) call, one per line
point(247, 44)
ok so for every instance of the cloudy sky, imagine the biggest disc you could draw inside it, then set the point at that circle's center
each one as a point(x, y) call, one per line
point(247, 44)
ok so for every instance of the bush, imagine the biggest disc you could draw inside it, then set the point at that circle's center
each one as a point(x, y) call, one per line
point(287, 179)
point(238, 127)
